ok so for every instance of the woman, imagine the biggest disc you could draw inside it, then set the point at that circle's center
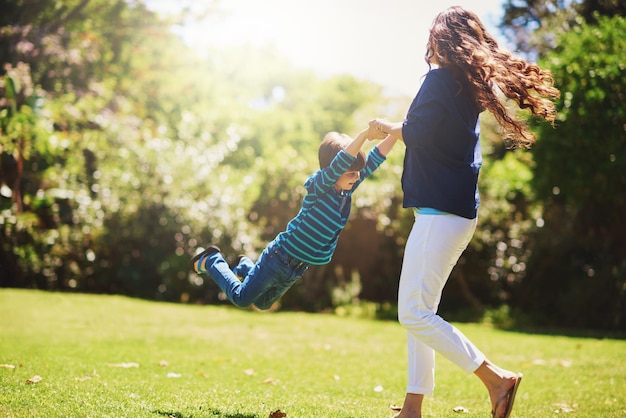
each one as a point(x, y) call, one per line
point(439, 181)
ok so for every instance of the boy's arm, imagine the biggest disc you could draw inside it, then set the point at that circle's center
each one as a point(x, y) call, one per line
point(387, 144)
point(354, 147)
point(341, 162)
point(357, 143)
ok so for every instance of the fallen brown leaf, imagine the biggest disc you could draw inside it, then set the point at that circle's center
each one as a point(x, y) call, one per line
point(35, 379)
point(277, 414)
point(565, 408)
point(565, 363)
point(87, 376)
point(123, 365)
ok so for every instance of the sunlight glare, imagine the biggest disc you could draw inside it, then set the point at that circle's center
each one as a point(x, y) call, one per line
point(378, 40)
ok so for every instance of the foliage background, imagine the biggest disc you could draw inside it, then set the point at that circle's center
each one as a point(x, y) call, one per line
point(122, 152)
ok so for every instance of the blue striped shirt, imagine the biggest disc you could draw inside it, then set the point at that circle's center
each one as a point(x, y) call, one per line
point(312, 235)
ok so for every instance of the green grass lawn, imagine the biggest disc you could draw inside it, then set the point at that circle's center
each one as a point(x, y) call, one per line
point(110, 356)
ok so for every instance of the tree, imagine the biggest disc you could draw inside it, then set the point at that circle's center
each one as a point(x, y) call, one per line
point(534, 25)
point(577, 274)
point(67, 79)
point(144, 150)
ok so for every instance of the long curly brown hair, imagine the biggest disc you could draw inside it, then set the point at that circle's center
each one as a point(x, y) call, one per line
point(459, 41)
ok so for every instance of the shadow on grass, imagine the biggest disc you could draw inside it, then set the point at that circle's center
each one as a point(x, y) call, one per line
point(514, 320)
point(213, 412)
point(574, 333)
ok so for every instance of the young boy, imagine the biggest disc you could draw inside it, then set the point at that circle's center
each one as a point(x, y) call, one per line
point(310, 237)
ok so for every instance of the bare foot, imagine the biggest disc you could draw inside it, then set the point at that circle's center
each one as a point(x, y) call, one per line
point(412, 407)
point(501, 384)
point(503, 396)
point(407, 415)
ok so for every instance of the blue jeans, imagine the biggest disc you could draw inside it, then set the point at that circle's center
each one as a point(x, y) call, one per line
point(263, 283)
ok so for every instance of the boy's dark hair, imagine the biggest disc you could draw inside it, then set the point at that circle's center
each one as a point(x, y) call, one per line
point(331, 145)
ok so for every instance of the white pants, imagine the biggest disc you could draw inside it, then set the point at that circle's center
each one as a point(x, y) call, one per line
point(434, 246)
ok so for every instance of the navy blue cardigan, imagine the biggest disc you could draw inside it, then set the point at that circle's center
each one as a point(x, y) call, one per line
point(442, 158)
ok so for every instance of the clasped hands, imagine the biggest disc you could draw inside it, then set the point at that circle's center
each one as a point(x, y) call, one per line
point(378, 129)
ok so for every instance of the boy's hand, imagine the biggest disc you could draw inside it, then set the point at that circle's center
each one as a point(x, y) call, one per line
point(379, 125)
point(374, 134)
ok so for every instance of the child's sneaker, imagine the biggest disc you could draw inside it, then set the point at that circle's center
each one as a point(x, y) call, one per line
point(198, 260)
